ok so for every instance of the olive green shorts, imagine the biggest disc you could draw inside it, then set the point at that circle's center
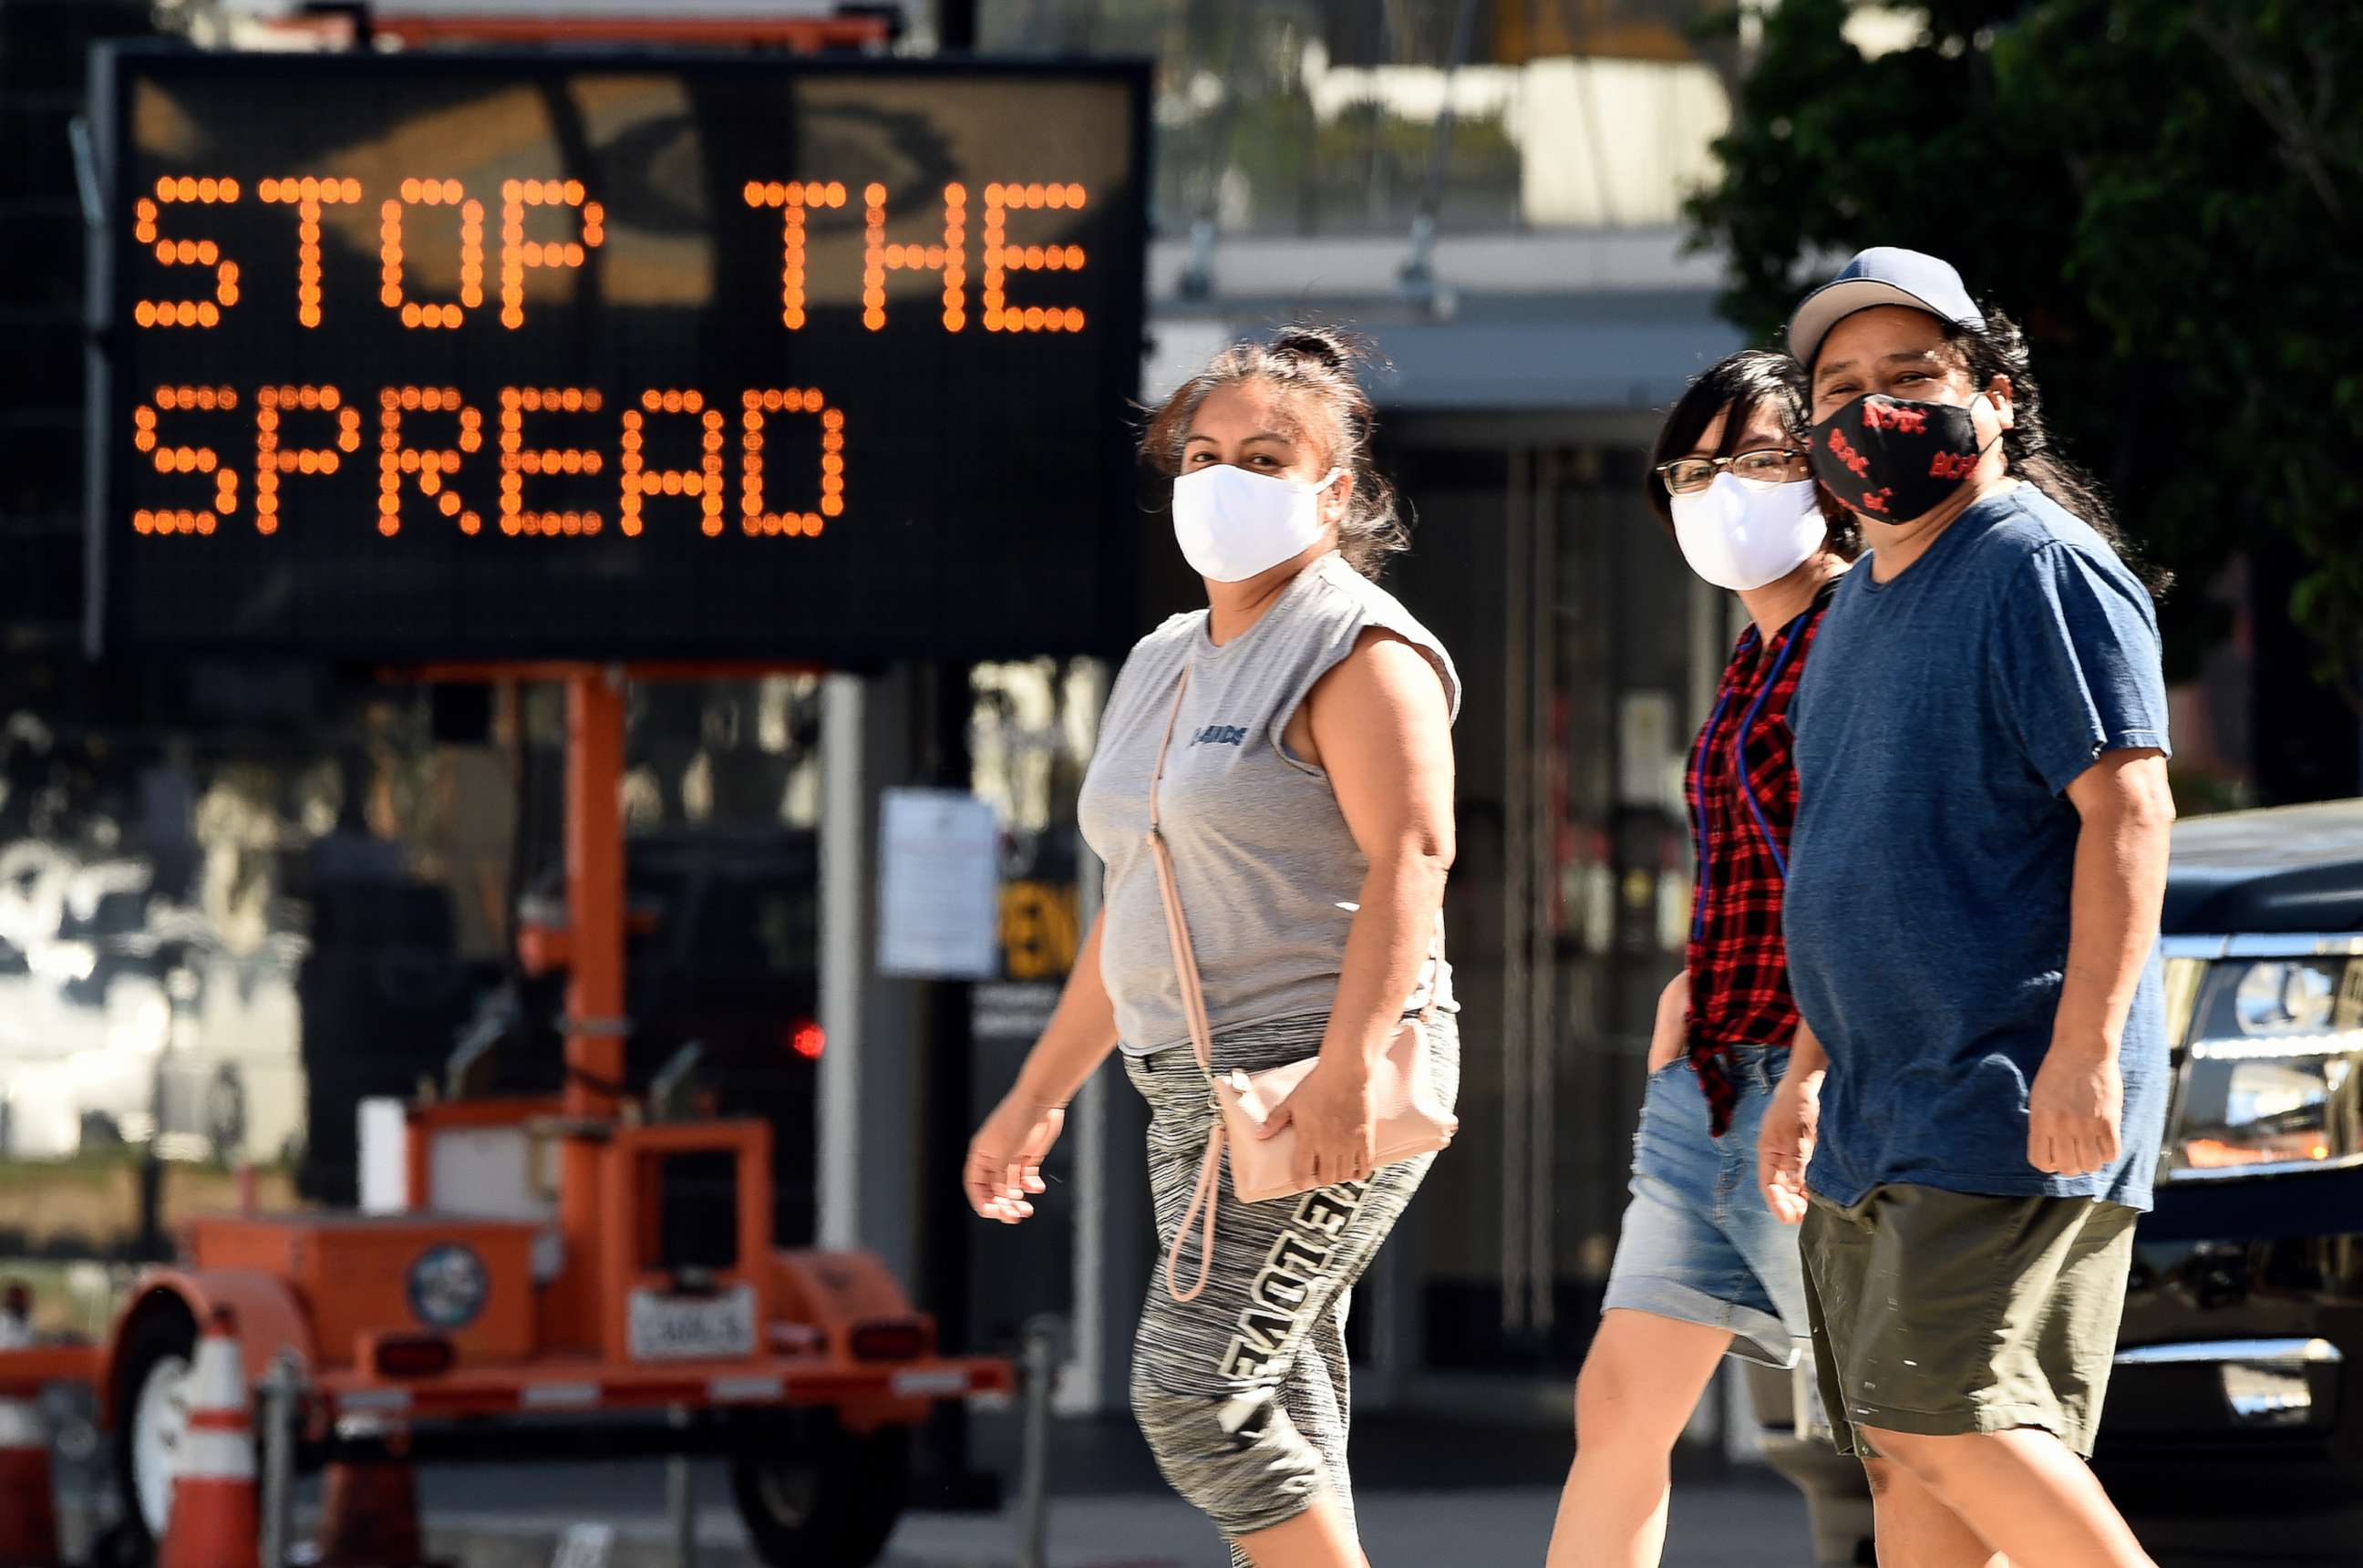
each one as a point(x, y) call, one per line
point(1945, 1313)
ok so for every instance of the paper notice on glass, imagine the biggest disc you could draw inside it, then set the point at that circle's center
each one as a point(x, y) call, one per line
point(1649, 756)
point(938, 886)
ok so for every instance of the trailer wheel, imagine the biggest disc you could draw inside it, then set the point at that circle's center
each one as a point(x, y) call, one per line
point(152, 1416)
point(820, 1496)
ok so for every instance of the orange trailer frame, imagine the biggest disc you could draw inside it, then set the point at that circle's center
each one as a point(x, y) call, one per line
point(553, 1334)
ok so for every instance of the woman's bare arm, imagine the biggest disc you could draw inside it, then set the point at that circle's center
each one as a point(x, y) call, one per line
point(1382, 730)
point(1081, 1033)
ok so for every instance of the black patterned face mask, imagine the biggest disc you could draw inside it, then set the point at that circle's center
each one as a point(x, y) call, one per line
point(1894, 458)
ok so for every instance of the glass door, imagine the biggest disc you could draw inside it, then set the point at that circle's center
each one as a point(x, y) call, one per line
point(1588, 655)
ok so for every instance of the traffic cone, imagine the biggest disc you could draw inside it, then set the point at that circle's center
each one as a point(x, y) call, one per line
point(369, 1516)
point(216, 1515)
point(29, 1519)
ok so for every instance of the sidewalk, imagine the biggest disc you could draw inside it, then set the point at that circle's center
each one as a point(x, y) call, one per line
point(1432, 1490)
point(1720, 1525)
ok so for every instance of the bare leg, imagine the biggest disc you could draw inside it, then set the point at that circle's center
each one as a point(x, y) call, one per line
point(1640, 1380)
point(2023, 1491)
point(1916, 1530)
point(1320, 1537)
point(1317, 1400)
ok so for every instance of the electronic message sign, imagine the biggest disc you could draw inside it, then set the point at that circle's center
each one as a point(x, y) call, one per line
point(465, 357)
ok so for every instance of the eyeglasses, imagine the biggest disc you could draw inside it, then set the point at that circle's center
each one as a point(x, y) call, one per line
point(1688, 475)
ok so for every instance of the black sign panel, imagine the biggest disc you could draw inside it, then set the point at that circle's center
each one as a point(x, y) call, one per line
point(476, 357)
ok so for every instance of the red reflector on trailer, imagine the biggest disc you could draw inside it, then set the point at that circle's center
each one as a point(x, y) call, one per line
point(411, 1355)
point(898, 1342)
point(808, 1039)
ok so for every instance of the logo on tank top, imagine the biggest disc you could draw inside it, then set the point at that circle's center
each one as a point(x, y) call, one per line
point(1220, 735)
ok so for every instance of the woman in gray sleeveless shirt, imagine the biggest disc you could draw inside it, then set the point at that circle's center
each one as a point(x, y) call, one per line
point(1306, 799)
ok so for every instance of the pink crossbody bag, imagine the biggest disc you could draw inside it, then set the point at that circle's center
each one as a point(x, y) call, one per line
point(1411, 1119)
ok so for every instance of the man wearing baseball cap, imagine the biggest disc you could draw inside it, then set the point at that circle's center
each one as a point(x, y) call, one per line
point(1972, 913)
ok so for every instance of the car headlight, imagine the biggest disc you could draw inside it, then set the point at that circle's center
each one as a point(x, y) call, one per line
point(2273, 1073)
point(2286, 996)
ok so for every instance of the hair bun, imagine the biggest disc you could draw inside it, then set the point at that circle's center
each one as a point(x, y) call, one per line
point(1322, 345)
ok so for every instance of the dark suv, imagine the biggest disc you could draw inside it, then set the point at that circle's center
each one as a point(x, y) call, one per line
point(2231, 1433)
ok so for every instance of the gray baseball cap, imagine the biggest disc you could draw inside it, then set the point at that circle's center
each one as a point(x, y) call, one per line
point(1884, 274)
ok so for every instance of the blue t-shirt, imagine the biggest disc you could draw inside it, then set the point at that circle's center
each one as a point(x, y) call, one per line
point(1943, 716)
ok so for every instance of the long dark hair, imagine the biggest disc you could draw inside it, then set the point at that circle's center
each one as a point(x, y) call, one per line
point(2000, 349)
point(1317, 368)
point(1744, 382)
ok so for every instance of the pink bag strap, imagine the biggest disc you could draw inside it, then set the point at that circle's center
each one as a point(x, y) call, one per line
point(1201, 1211)
point(1177, 928)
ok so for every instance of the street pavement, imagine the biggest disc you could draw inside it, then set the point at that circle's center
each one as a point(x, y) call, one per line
point(1716, 1525)
point(1430, 1492)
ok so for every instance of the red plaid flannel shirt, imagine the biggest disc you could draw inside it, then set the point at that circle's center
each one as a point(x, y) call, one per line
point(1738, 961)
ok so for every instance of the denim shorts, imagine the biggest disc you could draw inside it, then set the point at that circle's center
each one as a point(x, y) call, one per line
point(1698, 1244)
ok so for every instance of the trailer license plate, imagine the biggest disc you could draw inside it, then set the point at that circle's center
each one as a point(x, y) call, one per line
point(693, 1328)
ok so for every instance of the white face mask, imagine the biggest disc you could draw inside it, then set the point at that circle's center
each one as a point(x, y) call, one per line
point(1232, 524)
point(1743, 533)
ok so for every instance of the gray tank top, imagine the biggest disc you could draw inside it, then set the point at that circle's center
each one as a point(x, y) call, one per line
point(1269, 874)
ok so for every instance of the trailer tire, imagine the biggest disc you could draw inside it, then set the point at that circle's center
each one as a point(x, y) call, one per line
point(164, 1332)
point(817, 1495)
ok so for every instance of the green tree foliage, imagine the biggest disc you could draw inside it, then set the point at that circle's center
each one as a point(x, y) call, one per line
point(2168, 194)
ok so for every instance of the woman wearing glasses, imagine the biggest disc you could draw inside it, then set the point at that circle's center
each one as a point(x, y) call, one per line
point(1704, 1266)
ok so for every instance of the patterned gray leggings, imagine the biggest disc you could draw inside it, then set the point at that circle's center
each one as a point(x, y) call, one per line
point(1242, 1393)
